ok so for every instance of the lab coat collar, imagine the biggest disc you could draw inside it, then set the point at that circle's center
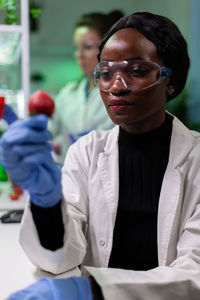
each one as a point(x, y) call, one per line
point(179, 148)
point(180, 134)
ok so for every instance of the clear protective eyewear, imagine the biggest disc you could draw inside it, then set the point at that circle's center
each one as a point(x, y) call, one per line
point(134, 74)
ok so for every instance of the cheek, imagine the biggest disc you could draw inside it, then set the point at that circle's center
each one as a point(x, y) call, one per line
point(155, 94)
point(104, 97)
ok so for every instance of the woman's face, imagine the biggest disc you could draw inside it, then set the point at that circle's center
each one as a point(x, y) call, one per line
point(86, 42)
point(136, 112)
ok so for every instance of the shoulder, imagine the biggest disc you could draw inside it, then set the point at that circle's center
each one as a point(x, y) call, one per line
point(185, 144)
point(187, 135)
point(69, 88)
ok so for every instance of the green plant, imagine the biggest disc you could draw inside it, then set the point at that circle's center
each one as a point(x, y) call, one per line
point(10, 7)
point(11, 17)
point(3, 3)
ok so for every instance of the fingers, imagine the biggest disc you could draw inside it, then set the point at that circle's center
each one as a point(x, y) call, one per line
point(35, 172)
point(38, 122)
point(23, 135)
point(14, 154)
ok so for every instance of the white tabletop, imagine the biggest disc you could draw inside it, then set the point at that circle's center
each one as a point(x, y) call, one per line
point(6, 202)
point(16, 271)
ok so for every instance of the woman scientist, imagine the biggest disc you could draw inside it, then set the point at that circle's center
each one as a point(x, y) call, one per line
point(79, 106)
point(130, 205)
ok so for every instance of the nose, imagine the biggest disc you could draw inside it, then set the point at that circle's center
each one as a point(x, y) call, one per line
point(119, 85)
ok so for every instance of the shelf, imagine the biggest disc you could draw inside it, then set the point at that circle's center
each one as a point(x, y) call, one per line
point(11, 28)
point(14, 42)
point(10, 47)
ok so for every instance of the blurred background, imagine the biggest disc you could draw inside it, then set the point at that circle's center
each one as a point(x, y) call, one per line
point(51, 63)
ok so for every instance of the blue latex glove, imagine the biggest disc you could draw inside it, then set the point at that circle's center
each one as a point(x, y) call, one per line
point(26, 156)
point(9, 115)
point(73, 288)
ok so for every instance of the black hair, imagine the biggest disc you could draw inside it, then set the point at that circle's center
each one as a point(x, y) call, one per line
point(101, 22)
point(170, 43)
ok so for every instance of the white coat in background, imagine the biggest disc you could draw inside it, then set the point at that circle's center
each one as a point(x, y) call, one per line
point(76, 115)
point(90, 197)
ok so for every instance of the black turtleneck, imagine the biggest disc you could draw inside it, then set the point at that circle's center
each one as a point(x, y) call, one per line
point(143, 160)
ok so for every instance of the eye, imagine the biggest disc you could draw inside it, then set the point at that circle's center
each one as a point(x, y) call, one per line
point(138, 71)
point(106, 74)
point(87, 47)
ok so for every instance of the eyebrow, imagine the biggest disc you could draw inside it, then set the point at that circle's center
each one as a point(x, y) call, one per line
point(136, 57)
point(128, 59)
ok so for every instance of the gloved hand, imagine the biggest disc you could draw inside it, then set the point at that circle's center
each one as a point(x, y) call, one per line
point(26, 156)
point(9, 115)
point(73, 288)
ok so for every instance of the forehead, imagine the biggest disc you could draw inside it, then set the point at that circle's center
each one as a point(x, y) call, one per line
point(84, 33)
point(129, 43)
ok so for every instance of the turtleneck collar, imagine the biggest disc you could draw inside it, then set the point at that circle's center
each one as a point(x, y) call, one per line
point(158, 137)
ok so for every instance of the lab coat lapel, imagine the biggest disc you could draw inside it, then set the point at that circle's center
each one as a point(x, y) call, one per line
point(170, 196)
point(109, 172)
point(171, 193)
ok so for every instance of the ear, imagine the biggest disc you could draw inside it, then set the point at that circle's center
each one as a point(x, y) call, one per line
point(169, 87)
point(170, 90)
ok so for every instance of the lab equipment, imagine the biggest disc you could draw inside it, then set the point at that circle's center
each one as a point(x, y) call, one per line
point(3, 174)
point(2, 103)
point(73, 288)
point(26, 156)
point(13, 216)
point(9, 115)
point(3, 127)
point(14, 45)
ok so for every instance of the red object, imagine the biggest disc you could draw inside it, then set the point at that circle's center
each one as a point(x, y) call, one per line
point(14, 196)
point(41, 103)
point(2, 103)
point(17, 191)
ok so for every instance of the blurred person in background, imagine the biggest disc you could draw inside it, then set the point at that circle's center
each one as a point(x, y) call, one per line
point(79, 106)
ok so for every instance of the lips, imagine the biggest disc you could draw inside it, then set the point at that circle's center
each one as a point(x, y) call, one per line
point(119, 105)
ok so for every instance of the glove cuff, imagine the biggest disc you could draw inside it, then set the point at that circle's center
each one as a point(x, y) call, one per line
point(76, 288)
point(48, 200)
point(83, 287)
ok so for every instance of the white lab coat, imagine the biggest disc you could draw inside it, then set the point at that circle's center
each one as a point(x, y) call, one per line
point(75, 115)
point(90, 197)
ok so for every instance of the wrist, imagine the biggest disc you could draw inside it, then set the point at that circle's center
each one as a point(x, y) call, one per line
point(48, 199)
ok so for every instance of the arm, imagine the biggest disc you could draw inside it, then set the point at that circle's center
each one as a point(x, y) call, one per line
point(49, 224)
point(26, 155)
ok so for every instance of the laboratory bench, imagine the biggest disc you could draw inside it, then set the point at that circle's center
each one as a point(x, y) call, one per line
point(16, 271)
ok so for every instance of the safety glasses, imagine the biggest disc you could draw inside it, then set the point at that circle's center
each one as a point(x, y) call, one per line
point(133, 74)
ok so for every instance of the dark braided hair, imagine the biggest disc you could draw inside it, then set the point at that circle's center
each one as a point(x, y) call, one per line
point(170, 43)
